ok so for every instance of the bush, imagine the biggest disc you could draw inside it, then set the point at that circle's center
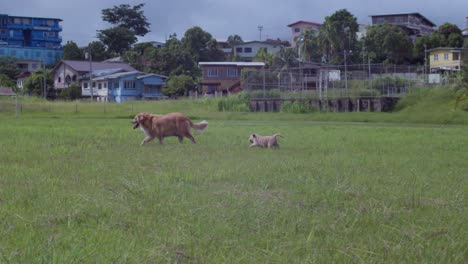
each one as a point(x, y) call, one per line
point(235, 103)
point(73, 92)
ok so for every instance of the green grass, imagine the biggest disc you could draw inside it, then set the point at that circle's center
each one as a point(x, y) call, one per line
point(78, 188)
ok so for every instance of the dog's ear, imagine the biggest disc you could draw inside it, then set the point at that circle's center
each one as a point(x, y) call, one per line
point(141, 117)
point(253, 135)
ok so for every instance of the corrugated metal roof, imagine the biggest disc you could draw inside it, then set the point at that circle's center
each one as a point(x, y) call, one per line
point(83, 66)
point(233, 63)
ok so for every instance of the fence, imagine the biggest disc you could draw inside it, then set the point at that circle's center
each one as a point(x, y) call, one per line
point(337, 81)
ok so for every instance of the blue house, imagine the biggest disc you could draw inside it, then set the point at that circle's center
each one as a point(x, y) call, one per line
point(31, 38)
point(121, 86)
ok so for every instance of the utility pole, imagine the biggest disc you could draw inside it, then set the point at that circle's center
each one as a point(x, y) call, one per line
point(44, 75)
point(260, 28)
point(345, 72)
point(425, 63)
point(88, 54)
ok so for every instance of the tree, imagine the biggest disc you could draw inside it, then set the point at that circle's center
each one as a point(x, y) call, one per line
point(72, 52)
point(6, 81)
point(34, 84)
point(117, 39)
point(337, 34)
point(308, 46)
point(98, 51)
point(233, 40)
point(179, 85)
point(174, 59)
point(388, 43)
point(201, 45)
point(266, 57)
point(447, 35)
point(9, 67)
point(129, 17)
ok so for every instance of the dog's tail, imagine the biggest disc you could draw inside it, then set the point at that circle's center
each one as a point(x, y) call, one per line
point(200, 127)
point(278, 135)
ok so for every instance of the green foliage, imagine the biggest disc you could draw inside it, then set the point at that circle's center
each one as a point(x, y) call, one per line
point(235, 103)
point(338, 33)
point(266, 57)
point(297, 107)
point(72, 52)
point(5, 81)
point(98, 51)
point(34, 84)
point(447, 35)
point(201, 45)
point(179, 85)
point(72, 92)
point(130, 17)
point(388, 43)
point(308, 46)
point(117, 39)
point(233, 40)
point(8, 67)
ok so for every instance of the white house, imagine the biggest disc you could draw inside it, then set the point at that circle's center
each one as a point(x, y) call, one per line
point(247, 50)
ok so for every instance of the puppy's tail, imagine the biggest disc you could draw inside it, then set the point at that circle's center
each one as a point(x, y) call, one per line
point(278, 135)
point(200, 127)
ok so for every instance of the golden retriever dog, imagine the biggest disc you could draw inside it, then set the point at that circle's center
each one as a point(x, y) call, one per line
point(264, 141)
point(161, 126)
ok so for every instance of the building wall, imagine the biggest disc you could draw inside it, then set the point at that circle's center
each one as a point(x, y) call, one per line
point(243, 49)
point(298, 29)
point(64, 73)
point(440, 59)
point(49, 56)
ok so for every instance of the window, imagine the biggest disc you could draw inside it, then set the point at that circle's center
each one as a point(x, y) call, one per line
point(232, 72)
point(38, 54)
point(456, 56)
point(436, 57)
point(49, 34)
point(94, 84)
point(238, 49)
point(248, 50)
point(99, 86)
point(116, 84)
point(212, 73)
point(297, 30)
point(446, 56)
point(3, 31)
point(2, 52)
point(59, 79)
point(129, 84)
point(50, 22)
point(26, 53)
point(85, 85)
point(104, 85)
point(13, 53)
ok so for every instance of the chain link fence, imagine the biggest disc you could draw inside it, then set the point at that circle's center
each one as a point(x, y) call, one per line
point(335, 81)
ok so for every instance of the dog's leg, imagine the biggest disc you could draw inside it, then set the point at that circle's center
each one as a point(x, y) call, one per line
point(146, 140)
point(160, 140)
point(189, 136)
point(181, 139)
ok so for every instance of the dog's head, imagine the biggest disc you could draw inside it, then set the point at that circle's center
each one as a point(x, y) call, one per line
point(139, 119)
point(253, 138)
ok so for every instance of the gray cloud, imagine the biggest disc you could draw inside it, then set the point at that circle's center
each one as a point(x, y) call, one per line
point(221, 18)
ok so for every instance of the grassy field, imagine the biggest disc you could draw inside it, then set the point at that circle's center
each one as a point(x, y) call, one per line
point(76, 187)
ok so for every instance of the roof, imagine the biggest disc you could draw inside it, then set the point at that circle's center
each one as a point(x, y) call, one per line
point(32, 17)
point(416, 14)
point(233, 63)
point(83, 66)
point(150, 75)
point(305, 22)
point(448, 48)
point(115, 75)
point(6, 91)
point(267, 42)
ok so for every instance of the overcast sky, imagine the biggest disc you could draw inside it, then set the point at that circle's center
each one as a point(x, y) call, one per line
point(221, 18)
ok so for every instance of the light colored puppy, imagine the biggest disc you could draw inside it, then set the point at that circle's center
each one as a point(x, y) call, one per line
point(264, 141)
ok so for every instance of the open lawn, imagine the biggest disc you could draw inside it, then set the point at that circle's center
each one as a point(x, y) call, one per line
point(78, 188)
